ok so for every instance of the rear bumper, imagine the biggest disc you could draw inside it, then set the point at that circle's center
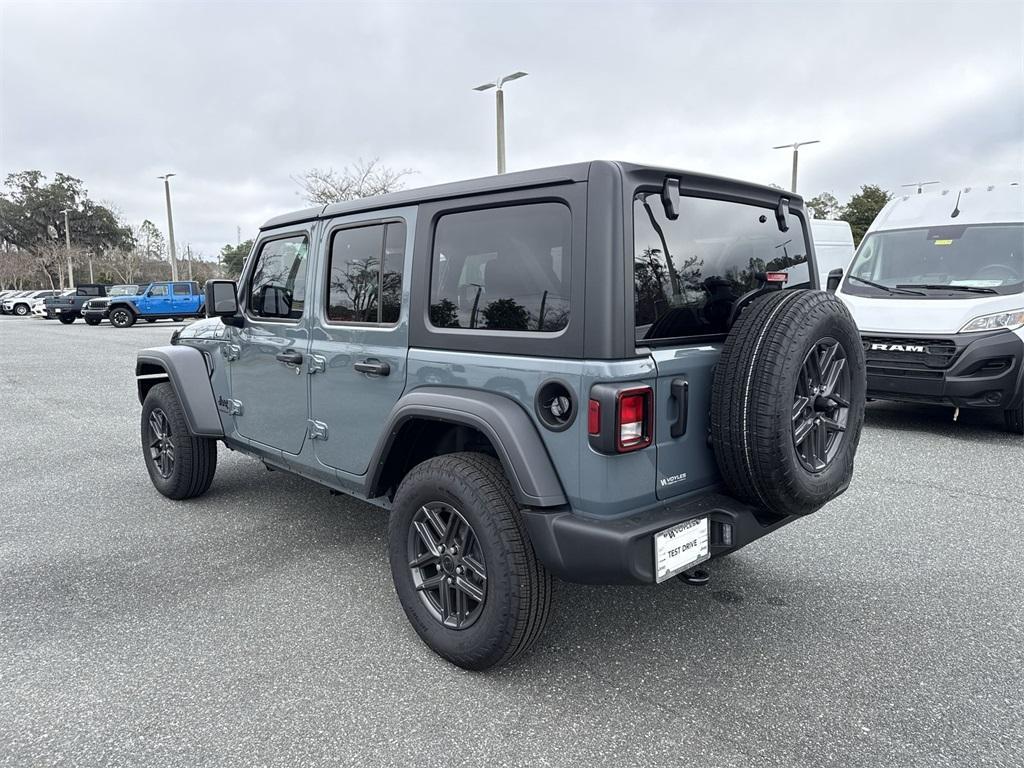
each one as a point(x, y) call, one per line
point(964, 370)
point(621, 551)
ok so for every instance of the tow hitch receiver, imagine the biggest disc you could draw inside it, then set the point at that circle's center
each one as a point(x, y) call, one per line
point(695, 577)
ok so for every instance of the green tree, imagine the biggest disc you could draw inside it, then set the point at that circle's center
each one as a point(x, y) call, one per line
point(31, 215)
point(824, 206)
point(862, 209)
point(233, 257)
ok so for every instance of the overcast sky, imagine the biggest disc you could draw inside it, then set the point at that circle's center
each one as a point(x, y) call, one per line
point(237, 98)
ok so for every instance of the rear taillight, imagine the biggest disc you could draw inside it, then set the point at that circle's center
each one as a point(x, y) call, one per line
point(620, 417)
point(594, 418)
point(633, 417)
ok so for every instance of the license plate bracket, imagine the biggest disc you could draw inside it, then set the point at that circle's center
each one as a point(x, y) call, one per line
point(680, 547)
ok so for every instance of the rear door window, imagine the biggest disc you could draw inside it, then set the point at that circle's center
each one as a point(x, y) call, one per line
point(502, 269)
point(182, 289)
point(689, 272)
point(365, 279)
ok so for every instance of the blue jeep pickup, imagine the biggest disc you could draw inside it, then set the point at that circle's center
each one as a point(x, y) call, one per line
point(159, 301)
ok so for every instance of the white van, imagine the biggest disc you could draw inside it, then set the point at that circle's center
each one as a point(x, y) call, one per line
point(937, 290)
point(833, 245)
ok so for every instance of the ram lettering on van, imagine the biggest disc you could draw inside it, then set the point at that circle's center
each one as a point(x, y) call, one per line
point(897, 348)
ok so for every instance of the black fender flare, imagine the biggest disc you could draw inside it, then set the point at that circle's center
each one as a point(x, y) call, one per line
point(186, 370)
point(126, 304)
point(501, 419)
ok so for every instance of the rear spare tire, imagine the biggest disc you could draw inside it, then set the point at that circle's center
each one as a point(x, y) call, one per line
point(787, 405)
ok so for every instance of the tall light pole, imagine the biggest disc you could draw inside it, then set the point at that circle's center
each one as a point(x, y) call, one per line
point(919, 185)
point(67, 244)
point(170, 226)
point(499, 102)
point(796, 153)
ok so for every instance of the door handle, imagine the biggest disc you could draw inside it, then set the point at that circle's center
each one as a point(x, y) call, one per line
point(290, 357)
point(373, 366)
point(680, 391)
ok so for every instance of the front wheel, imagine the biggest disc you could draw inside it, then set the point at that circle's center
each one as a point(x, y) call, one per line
point(462, 563)
point(1014, 418)
point(66, 319)
point(180, 465)
point(92, 321)
point(21, 310)
point(121, 317)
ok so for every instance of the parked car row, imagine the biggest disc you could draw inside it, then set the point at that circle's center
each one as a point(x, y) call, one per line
point(122, 305)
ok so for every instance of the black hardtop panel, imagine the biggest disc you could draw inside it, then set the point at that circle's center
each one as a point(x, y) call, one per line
point(720, 186)
point(561, 174)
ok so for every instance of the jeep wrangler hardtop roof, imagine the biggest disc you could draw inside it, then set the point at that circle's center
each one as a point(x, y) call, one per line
point(558, 174)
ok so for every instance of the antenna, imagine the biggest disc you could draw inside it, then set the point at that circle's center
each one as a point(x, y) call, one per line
point(920, 184)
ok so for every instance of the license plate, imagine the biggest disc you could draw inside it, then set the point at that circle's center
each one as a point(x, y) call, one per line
point(680, 547)
point(57, 310)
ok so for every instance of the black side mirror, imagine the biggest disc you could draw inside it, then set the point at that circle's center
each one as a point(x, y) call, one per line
point(834, 278)
point(222, 300)
point(275, 301)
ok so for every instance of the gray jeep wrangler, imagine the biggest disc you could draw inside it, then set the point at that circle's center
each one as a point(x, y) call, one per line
point(603, 372)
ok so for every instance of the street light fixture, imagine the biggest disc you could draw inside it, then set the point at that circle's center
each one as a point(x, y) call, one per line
point(499, 101)
point(170, 225)
point(796, 147)
point(67, 244)
point(919, 185)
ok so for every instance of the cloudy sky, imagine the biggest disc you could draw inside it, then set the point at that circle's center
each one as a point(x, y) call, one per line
point(236, 98)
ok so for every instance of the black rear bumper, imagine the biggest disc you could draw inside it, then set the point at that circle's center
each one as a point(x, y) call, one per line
point(967, 370)
point(621, 551)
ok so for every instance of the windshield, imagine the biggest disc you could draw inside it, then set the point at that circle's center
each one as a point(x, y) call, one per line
point(123, 290)
point(949, 261)
point(689, 272)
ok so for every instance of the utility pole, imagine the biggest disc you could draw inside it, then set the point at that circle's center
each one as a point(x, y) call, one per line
point(919, 185)
point(170, 226)
point(499, 105)
point(238, 232)
point(188, 250)
point(67, 244)
point(796, 154)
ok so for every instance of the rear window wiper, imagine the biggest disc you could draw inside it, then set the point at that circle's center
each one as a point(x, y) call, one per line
point(940, 287)
point(898, 289)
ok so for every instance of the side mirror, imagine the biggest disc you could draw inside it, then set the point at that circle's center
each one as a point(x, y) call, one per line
point(275, 301)
point(834, 278)
point(670, 198)
point(222, 300)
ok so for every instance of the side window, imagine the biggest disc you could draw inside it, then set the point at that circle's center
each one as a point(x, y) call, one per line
point(277, 287)
point(502, 269)
point(182, 289)
point(158, 290)
point(365, 279)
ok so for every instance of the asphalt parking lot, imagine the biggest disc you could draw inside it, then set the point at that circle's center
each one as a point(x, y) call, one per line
point(257, 625)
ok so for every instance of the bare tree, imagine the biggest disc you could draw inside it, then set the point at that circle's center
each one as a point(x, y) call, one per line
point(321, 186)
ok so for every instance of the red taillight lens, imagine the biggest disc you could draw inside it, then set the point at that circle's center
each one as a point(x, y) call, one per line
point(633, 419)
point(594, 418)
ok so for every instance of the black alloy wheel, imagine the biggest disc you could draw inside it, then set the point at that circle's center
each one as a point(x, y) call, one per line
point(161, 443)
point(822, 404)
point(447, 565)
point(122, 317)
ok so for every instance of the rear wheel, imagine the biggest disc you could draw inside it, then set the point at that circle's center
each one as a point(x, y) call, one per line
point(180, 465)
point(122, 317)
point(66, 319)
point(788, 402)
point(462, 563)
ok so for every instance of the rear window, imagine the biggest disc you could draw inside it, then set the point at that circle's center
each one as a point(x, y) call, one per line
point(689, 272)
point(90, 290)
point(502, 269)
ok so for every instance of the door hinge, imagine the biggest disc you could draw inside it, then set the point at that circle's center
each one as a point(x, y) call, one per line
point(317, 364)
point(231, 352)
point(317, 430)
point(234, 407)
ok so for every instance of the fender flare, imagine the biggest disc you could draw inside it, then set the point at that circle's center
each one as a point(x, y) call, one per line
point(501, 419)
point(129, 305)
point(185, 368)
